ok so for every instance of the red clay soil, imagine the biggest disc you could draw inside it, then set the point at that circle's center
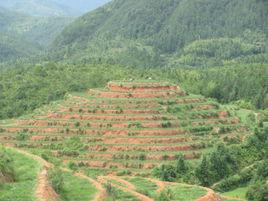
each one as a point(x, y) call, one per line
point(123, 105)
point(204, 107)
point(145, 140)
point(106, 117)
point(37, 138)
point(223, 114)
point(144, 132)
point(105, 132)
point(151, 156)
point(123, 148)
point(226, 198)
point(210, 196)
point(124, 88)
point(123, 112)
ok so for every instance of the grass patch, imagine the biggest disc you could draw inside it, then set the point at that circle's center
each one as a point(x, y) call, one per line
point(115, 194)
point(26, 171)
point(144, 186)
point(75, 188)
point(185, 193)
point(237, 193)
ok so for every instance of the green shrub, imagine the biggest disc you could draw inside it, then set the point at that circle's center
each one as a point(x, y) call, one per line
point(22, 136)
point(7, 172)
point(72, 166)
point(77, 124)
point(166, 124)
point(123, 172)
point(142, 157)
point(258, 192)
point(56, 179)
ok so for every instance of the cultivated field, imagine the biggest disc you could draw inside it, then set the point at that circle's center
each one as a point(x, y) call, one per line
point(115, 136)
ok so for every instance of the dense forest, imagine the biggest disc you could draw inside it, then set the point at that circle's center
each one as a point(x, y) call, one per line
point(23, 89)
point(178, 32)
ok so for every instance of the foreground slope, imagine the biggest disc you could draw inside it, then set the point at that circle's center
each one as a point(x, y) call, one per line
point(146, 32)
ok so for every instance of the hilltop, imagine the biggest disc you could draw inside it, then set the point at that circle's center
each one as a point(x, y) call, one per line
point(127, 126)
point(122, 132)
point(174, 32)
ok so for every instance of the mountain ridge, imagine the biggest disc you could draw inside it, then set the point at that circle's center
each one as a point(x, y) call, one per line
point(137, 33)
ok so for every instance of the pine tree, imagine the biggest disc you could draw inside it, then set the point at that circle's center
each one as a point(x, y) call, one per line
point(203, 173)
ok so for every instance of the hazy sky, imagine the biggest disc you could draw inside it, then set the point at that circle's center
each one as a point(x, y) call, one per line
point(52, 7)
point(83, 5)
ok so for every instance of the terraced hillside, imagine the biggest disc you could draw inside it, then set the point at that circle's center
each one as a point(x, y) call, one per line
point(128, 126)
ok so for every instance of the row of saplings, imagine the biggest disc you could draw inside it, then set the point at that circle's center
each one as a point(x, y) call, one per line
point(227, 167)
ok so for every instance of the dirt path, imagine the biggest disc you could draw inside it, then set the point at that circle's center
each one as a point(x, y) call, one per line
point(210, 195)
point(161, 184)
point(101, 195)
point(122, 181)
point(141, 197)
point(231, 198)
point(44, 191)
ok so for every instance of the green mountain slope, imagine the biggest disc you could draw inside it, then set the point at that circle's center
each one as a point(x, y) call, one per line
point(23, 35)
point(157, 32)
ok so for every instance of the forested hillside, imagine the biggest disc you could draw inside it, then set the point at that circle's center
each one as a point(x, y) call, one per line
point(24, 36)
point(23, 89)
point(169, 32)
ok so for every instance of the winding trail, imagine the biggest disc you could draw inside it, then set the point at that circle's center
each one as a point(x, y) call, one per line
point(139, 196)
point(101, 195)
point(231, 198)
point(161, 184)
point(44, 191)
point(122, 181)
point(210, 195)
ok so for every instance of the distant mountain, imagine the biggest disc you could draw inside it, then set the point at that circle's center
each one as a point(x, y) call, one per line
point(36, 7)
point(23, 35)
point(52, 7)
point(168, 32)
